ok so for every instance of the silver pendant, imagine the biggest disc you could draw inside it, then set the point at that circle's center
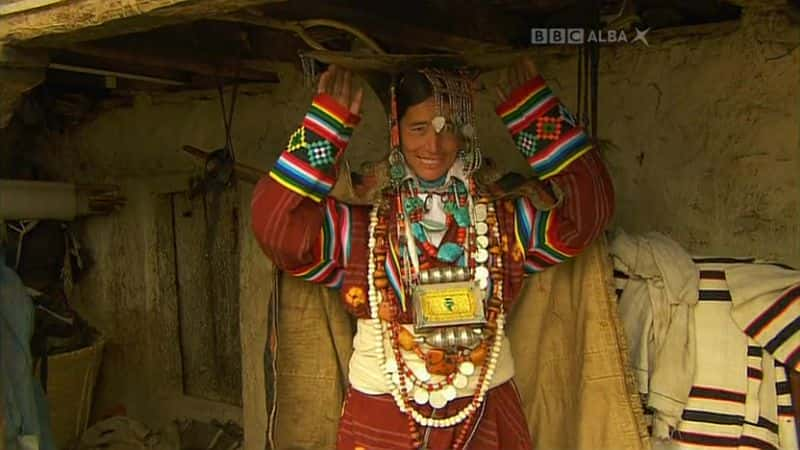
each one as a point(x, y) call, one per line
point(481, 228)
point(449, 392)
point(420, 396)
point(481, 273)
point(467, 368)
point(482, 255)
point(460, 381)
point(480, 213)
point(437, 399)
point(438, 123)
point(482, 241)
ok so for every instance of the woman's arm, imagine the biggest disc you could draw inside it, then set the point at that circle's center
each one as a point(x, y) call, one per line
point(302, 230)
point(559, 153)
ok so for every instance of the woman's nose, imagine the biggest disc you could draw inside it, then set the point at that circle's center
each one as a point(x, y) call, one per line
point(432, 141)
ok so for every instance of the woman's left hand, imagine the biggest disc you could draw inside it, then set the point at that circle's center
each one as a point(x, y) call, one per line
point(516, 76)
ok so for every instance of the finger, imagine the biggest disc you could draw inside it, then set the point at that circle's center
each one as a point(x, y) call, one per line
point(355, 106)
point(520, 74)
point(500, 94)
point(347, 86)
point(333, 74)
point(530, 68)
point(324, 81)
point(512, 76)
point(339, 87)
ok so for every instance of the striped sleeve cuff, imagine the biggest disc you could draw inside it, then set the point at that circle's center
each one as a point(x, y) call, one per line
point(537, 232)
point(309, 163)
point(544, 131)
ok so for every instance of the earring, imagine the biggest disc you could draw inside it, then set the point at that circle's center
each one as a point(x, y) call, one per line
point(397, 166)
point(471, 157)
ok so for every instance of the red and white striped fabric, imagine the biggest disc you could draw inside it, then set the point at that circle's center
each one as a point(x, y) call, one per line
point(745, 323)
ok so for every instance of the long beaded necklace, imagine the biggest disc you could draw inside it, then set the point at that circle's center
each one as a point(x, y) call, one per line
point(399, 376)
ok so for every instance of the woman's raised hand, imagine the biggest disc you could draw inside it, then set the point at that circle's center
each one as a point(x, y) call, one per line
point(516, 76)
point(337, 82)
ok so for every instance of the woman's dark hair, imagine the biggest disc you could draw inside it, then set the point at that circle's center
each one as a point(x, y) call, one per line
point(412, 89)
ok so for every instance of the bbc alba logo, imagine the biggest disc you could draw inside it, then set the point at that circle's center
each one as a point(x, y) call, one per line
point(577, 36)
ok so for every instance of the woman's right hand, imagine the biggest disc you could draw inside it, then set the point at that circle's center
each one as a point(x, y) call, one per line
point(337, 82)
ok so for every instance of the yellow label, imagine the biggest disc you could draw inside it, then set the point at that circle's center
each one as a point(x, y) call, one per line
point(448, 304)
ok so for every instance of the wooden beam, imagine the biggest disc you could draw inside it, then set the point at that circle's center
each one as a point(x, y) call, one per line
point(64, 23)
point(20, 71)
point(225, 69)
point(14, 83)
point(379, 27)
point(23, 58)
point(25, 5)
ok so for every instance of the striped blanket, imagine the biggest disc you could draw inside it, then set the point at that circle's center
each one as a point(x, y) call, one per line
point(747, 322)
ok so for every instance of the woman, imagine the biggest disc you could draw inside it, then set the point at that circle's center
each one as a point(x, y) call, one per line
point(431, 268)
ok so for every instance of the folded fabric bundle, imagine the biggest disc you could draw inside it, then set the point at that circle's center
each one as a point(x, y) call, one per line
point(744, 337)
point(659, 292)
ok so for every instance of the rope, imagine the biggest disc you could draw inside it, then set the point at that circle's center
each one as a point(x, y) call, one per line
point(227, 114)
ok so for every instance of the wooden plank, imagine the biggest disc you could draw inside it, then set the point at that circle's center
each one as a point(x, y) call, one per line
point(174, 62)
point(14, 83)
point(184, 406)
point(195, 308)
point(20, 71)
point(18, 6)
point(379, 27)
point(255, 289)
point(66, 23)
point(166, 338)
point(222, 223)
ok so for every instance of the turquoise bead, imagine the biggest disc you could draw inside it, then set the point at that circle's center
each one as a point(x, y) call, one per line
point(411, 204)
point(450, 252)
point(462, 216)
point(397, 171)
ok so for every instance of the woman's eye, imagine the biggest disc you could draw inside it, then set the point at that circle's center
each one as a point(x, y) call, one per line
point(419, 129)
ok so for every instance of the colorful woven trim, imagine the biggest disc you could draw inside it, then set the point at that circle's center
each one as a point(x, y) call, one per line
point(536, 232)
point(543, 129)
point(327, 267)
point(308, 164)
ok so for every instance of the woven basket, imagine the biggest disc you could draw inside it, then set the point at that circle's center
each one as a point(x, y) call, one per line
point(71, 378)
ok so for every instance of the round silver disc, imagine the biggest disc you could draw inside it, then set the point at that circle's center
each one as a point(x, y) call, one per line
point(420, 396)
point(449, 392)
point(422, 374)
point(460, 381)
point(437, 399)
point(467, 368)
point(480, 213)
point(482, 255)
point(482, 241)
point(481, 228)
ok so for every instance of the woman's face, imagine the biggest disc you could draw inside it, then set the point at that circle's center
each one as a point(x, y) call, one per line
point(427, 153)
